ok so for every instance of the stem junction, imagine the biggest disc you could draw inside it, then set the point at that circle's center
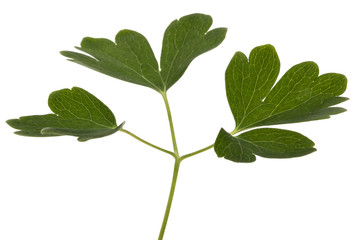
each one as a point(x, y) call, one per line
point(176, 156)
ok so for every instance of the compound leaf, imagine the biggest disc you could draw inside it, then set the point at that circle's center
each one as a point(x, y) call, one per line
point(255, 100)
point(76, 113)
point(264, 142)
point(130, 57)
point(184, 40)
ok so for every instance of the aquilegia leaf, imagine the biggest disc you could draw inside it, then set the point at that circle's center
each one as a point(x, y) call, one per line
point(300, 95)
point(77, 113)
point(184, 40)
point(130, 57)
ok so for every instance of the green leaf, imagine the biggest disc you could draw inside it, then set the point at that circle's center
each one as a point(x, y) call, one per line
point(77, 113)
point(300, 95)
point(264, 142)
point(255, 100)
point(184, 40)
point(130, 57)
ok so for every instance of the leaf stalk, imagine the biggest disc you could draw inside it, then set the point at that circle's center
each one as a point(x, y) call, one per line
point(196, 152)
point(176, 151)
point(146, 142)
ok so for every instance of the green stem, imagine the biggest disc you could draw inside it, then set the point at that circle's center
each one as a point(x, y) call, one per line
point(171, 196)
point(176, 151)
point(146, 142)
point(177, 157)
point(196, 152)
point(176, 167)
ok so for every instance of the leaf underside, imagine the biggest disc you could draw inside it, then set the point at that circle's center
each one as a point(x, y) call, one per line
point(255, 100)
point(130, 57)
point(76, 113)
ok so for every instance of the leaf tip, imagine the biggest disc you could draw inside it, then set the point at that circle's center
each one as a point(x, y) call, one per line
point(268, 47)
point(9, 122)
point(14, 123)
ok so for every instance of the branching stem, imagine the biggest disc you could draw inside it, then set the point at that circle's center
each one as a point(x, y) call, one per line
point(176, 168)
point(177, 157)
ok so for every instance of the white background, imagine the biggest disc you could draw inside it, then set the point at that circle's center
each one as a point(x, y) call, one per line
point(116, 187)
